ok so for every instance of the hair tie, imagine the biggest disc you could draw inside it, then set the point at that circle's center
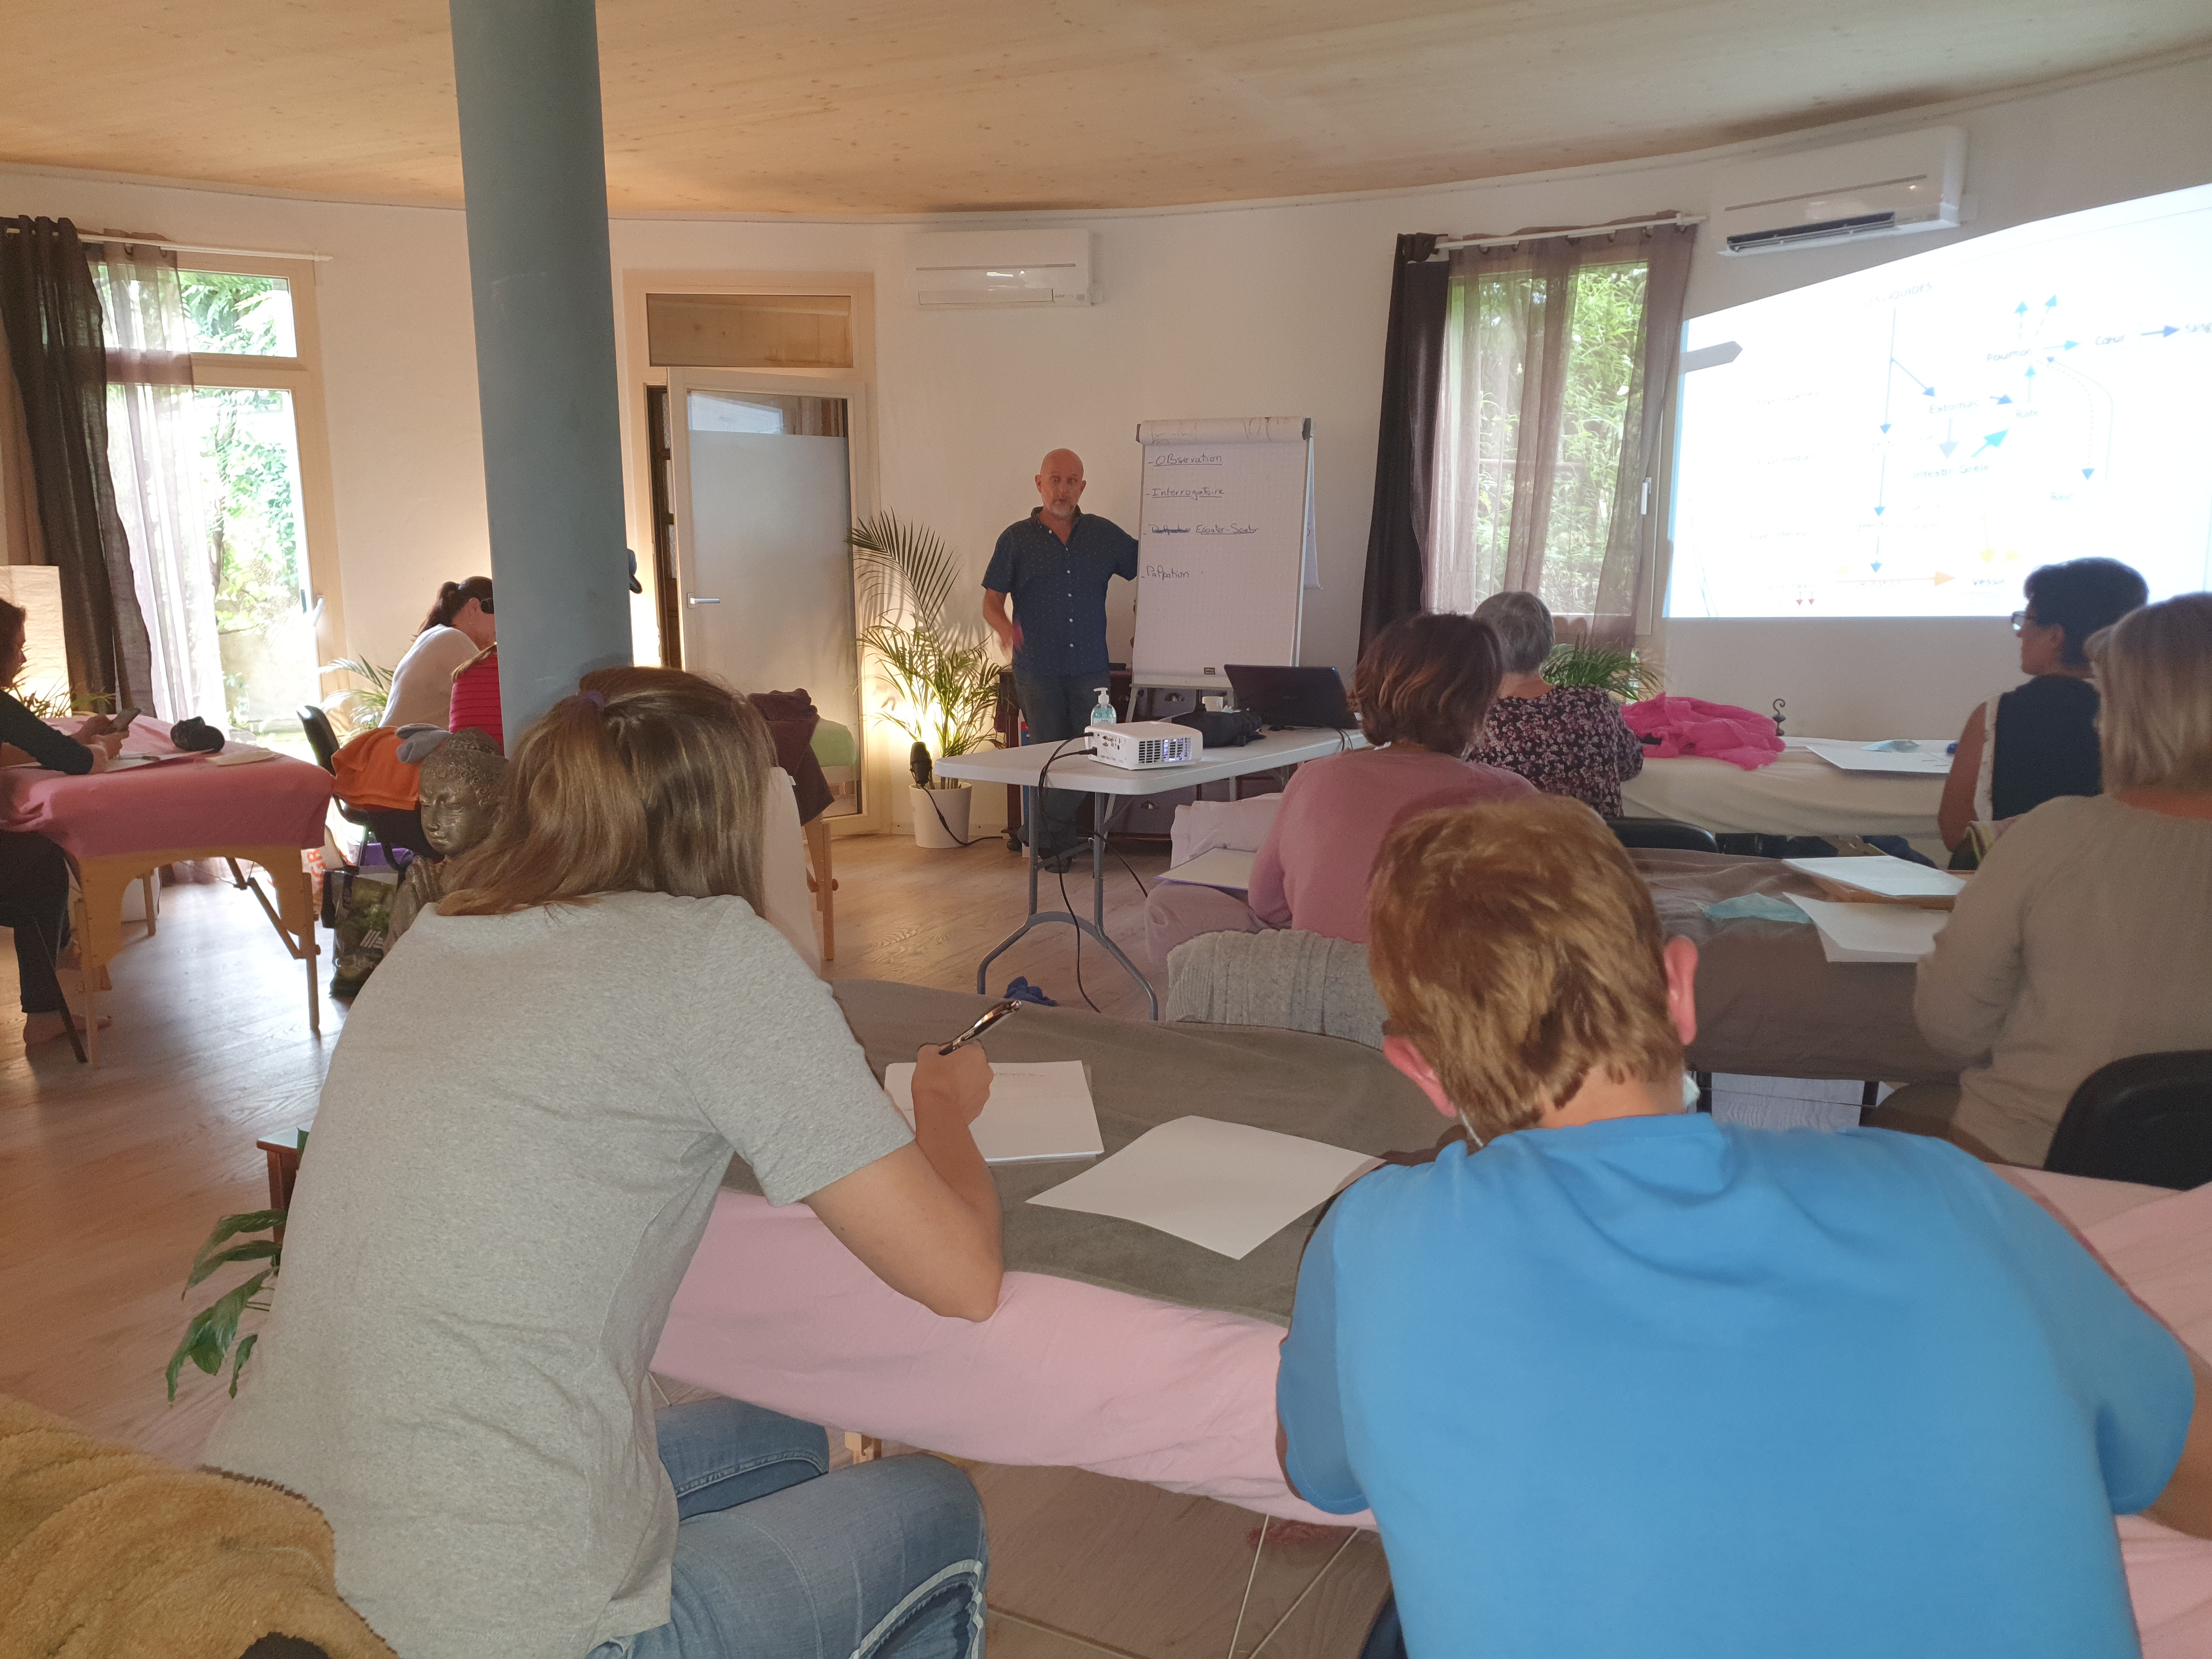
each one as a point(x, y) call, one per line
point(596, 699)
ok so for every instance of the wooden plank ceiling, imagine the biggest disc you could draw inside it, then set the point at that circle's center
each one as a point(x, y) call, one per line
point(842, 107)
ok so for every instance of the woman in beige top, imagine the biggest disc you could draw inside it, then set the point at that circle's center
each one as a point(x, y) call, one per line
point(2087, 936)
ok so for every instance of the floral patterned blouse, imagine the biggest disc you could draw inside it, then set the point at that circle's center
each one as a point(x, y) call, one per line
point(1570, 741)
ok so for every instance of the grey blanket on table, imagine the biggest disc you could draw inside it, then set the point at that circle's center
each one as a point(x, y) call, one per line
point(1290, 980)
point(1143, 1075)
point(1769, 1002)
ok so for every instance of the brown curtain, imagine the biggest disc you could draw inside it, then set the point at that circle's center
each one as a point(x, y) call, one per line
point(1406, 437)
point(20, 542)
point(56, 349)
point(1558, 360)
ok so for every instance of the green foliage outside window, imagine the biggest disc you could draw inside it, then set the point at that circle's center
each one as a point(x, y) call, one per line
point(1604, 368)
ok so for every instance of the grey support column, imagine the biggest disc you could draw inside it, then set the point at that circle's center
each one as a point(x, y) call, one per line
point(533, 162)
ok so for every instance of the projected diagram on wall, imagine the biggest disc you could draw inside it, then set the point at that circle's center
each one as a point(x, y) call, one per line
point(1912, 440)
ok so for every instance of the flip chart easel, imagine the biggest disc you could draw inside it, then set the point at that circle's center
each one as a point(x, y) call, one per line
point(1226, 533)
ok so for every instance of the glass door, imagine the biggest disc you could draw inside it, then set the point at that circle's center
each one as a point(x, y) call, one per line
point(763, 496)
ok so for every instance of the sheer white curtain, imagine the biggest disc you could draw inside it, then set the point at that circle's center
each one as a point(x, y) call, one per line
point(154, 456)
point(1558, 362)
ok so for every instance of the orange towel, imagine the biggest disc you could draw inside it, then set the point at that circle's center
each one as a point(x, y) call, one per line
point(111, 1552)
point(371, 774)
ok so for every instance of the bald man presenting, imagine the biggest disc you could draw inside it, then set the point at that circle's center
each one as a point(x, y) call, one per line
point(1055, 566)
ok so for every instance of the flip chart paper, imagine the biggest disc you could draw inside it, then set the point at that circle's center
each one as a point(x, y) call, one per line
point(1038, 1109)
point(1873, 932)
point(1890, 877)
point(1218, 868)
point(1225, 1186)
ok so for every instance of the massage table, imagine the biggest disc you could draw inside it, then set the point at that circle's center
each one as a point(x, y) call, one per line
point(1798, 794)
point(1130, 1353)
point(119, 827)
point(1768, 1003)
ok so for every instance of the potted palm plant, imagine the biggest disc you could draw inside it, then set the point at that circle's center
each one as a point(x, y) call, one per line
point(939, 681)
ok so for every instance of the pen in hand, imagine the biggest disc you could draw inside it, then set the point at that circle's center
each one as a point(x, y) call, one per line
point(990, 1017)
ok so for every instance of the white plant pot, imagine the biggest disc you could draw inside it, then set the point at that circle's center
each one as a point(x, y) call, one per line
point(940, 815)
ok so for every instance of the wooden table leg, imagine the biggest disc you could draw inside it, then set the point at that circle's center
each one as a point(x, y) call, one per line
point(96, 913)
point(824, 884)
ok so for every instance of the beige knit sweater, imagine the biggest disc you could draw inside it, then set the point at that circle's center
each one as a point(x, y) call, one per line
point(2086, 937)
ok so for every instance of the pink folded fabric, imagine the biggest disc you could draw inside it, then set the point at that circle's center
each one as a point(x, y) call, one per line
point(1706, 731)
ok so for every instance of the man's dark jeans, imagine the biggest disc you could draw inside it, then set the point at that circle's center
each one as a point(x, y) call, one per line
point(1057, 707)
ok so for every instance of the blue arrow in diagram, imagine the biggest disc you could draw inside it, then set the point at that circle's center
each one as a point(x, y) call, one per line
point(2168, 329)
point(1881, 488)
point(1991, 441)
point(1949, 442)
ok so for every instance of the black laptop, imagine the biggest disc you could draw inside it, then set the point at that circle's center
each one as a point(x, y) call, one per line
point(1291, 696)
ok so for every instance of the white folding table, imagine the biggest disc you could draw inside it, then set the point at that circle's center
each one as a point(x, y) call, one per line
point(1074, 768)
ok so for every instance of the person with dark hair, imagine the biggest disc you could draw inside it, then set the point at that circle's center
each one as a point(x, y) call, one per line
point(2039, 741)
point(34, 874)
point(1565, 739)
point(482, 1252)
point(1423, 687)
point(458, 629)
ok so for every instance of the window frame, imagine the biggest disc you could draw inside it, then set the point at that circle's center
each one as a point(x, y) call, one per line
point(301, 376)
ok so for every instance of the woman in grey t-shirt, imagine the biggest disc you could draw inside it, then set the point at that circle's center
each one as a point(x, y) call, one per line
point(487, 1234)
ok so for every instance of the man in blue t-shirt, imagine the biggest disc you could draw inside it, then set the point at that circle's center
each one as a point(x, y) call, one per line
point(1618, 1380)
point(1054, 565)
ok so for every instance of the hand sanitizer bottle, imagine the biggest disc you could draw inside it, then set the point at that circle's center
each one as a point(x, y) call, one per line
point(1102, 712)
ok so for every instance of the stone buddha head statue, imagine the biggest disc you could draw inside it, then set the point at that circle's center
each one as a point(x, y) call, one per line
point(464, 782)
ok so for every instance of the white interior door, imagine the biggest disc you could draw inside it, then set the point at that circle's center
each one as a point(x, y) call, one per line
point(763, 475)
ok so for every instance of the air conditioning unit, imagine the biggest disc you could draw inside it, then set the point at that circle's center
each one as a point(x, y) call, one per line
point(1882, 187)
point(1140, 745)
point(951, 268)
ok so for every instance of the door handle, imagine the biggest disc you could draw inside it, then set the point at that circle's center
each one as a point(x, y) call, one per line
point(700, 601)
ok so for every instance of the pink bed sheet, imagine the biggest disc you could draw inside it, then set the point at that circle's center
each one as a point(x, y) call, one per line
point(273, 803)
point(775, 1311)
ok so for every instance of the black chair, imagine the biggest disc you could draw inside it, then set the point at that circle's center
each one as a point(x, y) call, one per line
point(392, 828)
point(2147, 1118)
point(1663, 834)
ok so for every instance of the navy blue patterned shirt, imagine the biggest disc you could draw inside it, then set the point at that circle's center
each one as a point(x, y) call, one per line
point(1060, 590)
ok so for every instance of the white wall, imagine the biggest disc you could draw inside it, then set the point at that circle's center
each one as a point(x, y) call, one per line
point(1273, 310)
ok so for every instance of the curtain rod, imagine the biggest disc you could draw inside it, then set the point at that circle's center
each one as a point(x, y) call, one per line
point(126, 238)
point(1446, 243)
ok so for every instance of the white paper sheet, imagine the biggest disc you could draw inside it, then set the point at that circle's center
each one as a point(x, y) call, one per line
point(1930, 759)
point(1890, 877)
point(1231, 872)
point(1225, 1186)
point(1038, 1109)
point(1873, 932)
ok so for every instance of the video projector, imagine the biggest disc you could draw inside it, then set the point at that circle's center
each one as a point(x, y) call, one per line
point(1141, 745)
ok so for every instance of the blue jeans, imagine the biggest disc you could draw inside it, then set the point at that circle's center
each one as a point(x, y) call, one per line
point(777, 1560)
point(1057, 707)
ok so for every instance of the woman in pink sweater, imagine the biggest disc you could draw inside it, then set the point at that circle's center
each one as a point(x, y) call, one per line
point(1423, 687)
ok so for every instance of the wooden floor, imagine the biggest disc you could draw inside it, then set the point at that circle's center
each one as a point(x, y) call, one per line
point(110, 1179)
